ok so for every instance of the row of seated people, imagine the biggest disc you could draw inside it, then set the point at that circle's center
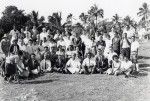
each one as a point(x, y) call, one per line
point(18, 65)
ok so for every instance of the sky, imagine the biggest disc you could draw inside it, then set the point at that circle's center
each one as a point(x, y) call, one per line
point(76, 7)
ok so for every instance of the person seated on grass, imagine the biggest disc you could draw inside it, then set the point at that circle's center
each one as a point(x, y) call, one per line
point(33, 65)
point(88, 64)
point(126, 67)
point(59, 64)
point(101, 62)
point(69, 52)
point(73, 66)
point(116, 64)
point(47, 51)
point(45, 65)
point(53, 57)
point(134, 52)
point(109, 56)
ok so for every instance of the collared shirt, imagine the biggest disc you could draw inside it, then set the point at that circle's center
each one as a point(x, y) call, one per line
point(126, 65)
point(73, 65)
point(134, 46)
point(42, 35)
point(125, 44)
point(89, 62)
point(45, 65)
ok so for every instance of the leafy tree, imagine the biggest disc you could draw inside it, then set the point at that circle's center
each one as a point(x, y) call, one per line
point(128, 22)
point(117, 23)
point(83, 17)
point(95, 13)
point(144, 13)
point(55, 21)
point(69, 19)
point(12, 16)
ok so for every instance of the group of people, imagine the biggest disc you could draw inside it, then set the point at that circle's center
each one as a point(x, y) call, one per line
point(29, 53)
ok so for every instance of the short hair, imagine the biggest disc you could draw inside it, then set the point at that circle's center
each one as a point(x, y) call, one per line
point(32, 54)
point(46, 47)
point(115, 56)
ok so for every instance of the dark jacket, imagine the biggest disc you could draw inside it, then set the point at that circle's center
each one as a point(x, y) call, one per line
point(33, 64)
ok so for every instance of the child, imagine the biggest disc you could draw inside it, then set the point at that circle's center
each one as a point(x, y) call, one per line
point(116, 64)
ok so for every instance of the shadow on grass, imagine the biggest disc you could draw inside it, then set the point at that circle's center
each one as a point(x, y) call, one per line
point(144, 65)
point(40, 81)
point(143, 57)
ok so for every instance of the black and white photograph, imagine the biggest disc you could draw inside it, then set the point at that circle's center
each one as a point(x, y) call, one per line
point(74, 50)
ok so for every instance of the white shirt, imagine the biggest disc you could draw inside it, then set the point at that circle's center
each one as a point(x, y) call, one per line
point(88, 62)
point(62, 43)
point(125, 44)
point(11, 58)
point(26, 40)
point(42, 35)
point(134, 46)
point(116, 64)
point(112, 34)
point(73, 65)
point(23, 48)
point(56, 36)
point(126, 65)
point(45, 65)
point(68, 42)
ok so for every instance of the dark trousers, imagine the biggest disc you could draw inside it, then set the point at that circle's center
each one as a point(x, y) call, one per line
point(126, 52)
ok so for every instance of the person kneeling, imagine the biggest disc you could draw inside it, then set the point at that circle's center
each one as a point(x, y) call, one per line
point(73, 66)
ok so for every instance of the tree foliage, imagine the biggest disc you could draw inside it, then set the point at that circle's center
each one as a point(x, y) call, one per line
point(12, 16)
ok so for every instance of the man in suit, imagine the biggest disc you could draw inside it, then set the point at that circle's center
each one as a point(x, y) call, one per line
point(45, 65)
point(33, 65)
point(101, 62)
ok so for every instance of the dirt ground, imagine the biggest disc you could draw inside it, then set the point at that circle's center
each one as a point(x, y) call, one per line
point(96, 87)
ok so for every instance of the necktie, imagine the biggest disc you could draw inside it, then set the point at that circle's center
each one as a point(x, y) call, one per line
point(45, 65)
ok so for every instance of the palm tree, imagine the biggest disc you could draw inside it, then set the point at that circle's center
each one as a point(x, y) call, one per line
point(116, 18)
point(117, 23)
point(83, 17)
point(69, 19)
point(144, 13)
point(128, 22)
point(34, 17)
point(95, 13)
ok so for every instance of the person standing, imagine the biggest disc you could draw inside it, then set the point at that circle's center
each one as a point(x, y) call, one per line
point(125, 46)
point(134, 52)
point(14, 34)
point(5, 44)
point(116, 43)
